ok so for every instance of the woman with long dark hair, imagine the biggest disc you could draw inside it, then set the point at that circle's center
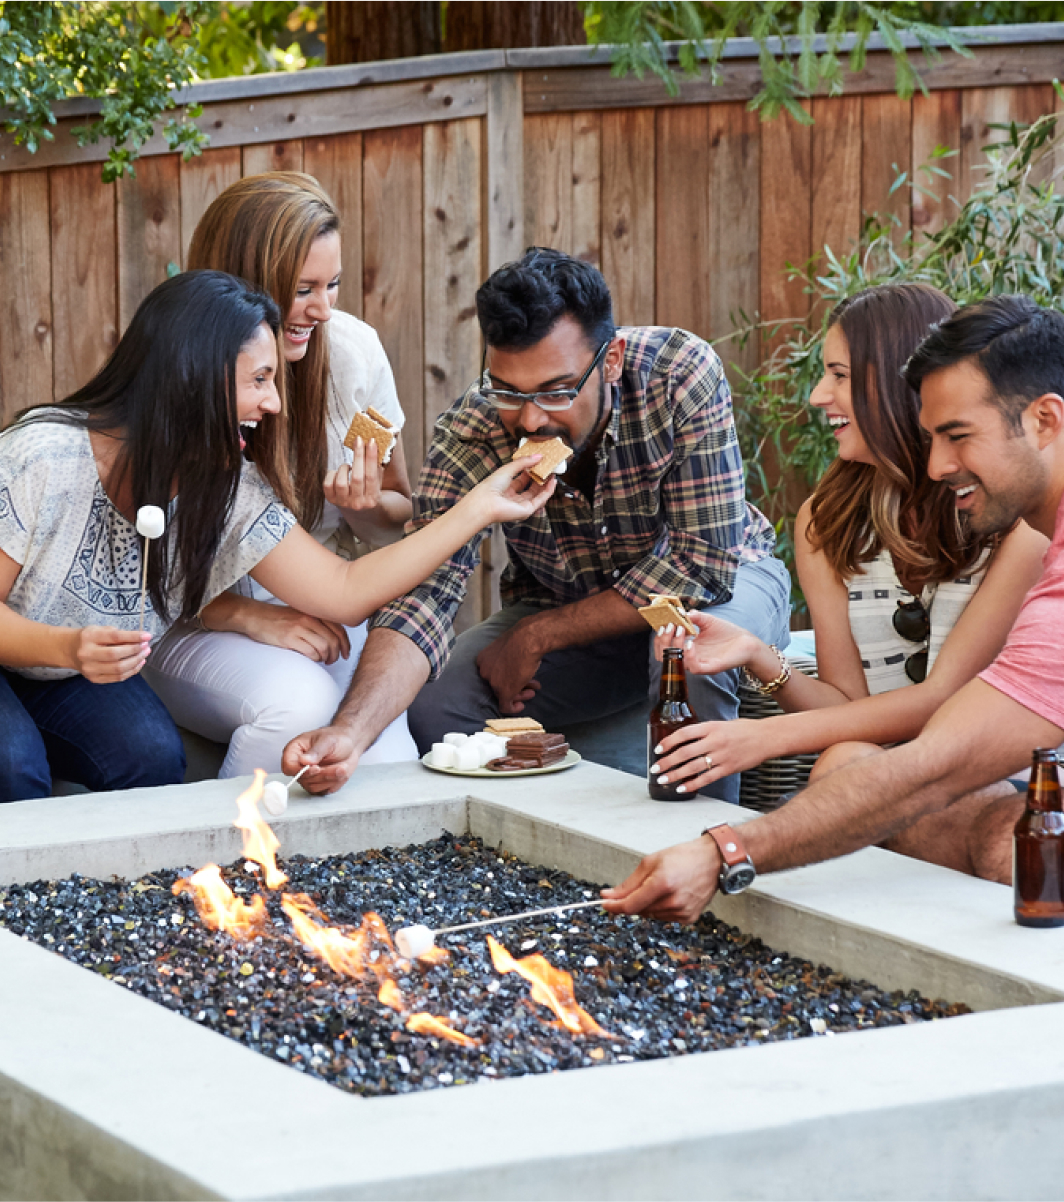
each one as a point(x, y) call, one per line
point(907, 605)
point(254, 673)
point(161, 424)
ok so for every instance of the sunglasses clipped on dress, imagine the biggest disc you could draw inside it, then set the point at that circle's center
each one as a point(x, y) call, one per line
point(913, 623)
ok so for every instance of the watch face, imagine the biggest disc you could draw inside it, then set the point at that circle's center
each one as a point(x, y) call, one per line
point(737, 879)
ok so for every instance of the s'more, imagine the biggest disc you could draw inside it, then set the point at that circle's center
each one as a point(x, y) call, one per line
point(372, 425)
point(665, 608)
point(555, 457)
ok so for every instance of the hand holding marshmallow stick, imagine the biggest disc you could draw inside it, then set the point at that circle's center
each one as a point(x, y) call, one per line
point(275, 794)
point(411, 942)
point(151, 522)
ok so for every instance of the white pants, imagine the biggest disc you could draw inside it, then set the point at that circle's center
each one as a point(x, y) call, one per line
point(256, 698)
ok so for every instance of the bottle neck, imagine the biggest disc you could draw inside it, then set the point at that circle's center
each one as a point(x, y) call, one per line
point(673, 677)
point(1043, 792)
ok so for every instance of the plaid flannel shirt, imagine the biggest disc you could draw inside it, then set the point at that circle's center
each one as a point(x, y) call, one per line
point(669, 514)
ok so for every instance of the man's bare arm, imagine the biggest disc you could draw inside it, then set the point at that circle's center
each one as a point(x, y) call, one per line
point(979, 736)
point(390, 673)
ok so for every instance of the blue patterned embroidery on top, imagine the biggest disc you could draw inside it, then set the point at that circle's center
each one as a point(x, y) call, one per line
point(8, 510)
point(272, 522)
point(105, 573)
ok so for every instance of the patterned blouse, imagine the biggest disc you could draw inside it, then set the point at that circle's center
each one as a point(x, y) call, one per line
point(80, 558)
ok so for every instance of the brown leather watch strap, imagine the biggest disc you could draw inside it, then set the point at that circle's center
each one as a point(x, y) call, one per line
point(732, 851)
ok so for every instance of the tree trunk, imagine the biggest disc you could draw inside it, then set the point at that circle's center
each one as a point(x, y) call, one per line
point(473, 26)
point(371, 31)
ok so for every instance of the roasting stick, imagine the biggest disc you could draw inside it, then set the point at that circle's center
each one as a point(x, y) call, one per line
point(414, 941)
point(151, 522)
point(275, 794)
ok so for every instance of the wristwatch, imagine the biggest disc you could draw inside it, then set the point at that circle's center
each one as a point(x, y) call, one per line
point(737, 871)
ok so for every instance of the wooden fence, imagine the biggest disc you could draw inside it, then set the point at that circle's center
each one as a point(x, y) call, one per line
point(445, 167)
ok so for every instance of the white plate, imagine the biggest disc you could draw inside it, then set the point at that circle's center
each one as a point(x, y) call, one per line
point(571, 758)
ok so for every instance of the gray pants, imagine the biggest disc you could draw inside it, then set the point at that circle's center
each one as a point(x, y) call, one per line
point(600, 681)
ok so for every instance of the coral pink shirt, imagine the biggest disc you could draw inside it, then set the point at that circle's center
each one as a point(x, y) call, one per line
point(1030, 667)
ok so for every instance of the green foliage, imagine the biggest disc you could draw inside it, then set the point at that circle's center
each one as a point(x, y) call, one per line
point(133, 57)
point(1008, 237)
point(785, 33)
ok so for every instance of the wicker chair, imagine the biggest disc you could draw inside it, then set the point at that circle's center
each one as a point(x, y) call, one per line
point(761, 788)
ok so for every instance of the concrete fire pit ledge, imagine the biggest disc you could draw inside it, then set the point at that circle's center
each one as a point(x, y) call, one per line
point(106, 1095)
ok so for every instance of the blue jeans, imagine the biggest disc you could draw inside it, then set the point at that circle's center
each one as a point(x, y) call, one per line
point(103, 736)
point(603, 679)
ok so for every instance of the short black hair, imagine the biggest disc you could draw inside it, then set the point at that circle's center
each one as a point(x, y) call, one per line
point(521, 303)
point(1018, 346)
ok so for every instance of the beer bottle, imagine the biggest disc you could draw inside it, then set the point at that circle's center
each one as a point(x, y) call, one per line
point(671, 712)
point(1038, 848)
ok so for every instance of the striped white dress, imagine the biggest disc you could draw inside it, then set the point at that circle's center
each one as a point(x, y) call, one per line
point(874, 596)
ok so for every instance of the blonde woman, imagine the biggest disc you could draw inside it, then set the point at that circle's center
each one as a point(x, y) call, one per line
point(907, 604)
point(255, 672)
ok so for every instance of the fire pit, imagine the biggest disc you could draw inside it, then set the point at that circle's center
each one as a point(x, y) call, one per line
point(105, 1094)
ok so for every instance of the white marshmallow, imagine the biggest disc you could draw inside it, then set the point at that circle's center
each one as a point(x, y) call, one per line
point(411, 942)
point(443, 755)
point(561, 468)
point(456, 738)
point(467, 757)
point(151, 521)
point(275, 797)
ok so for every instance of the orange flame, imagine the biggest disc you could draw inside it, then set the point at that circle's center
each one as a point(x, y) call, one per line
point(391, 995)
point(428, 1024)
point(551, 987)
point(433, 955)
point(368, 952)
point(260, 843)
point(219, 908)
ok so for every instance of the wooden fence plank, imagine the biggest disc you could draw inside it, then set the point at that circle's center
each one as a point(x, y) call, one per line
point(392, 267)
point(735, 202)
point(628, 214)
point(549, 181)
point(83, 274)
point(336, 163)
point(26, 314)
point(836, 172)
point(272, 156)
point(452, 275)
point(683, 219)
point(587, 187)
point(786, 206)
point(504, 172)
point(886, 133)
point(936, 123)
point(202, 179)
point(149, 231)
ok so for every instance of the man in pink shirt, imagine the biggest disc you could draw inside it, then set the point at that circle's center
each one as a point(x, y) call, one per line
point(991, 384)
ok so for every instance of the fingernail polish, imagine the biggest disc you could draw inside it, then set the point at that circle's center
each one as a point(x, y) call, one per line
point(681, 788)
point(663, 780)
point(659, 750)
point(655, 768)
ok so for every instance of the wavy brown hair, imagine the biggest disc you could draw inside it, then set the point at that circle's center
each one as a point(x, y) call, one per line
point(859, 509)
point(261, 228)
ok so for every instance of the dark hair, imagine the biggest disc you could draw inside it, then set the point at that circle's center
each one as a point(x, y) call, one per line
point(1017, 345)
point(168, 392)
point(521, 303)
point(261, 228)
point(859, 509)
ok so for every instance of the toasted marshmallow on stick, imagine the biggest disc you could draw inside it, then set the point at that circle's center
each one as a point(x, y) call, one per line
point(372, 425)
point(555, 457)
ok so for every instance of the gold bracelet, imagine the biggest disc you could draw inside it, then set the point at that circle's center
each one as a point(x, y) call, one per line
point(766, 689)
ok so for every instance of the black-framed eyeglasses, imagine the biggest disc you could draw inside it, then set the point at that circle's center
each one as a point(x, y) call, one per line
point(553, 400)
point(913, 623)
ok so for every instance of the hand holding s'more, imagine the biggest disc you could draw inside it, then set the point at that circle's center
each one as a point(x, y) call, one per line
point(372, 426)
point(663, 609)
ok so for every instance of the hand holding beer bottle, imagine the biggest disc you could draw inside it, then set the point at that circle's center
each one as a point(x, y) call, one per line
point(671, 712)
point(1038, 848)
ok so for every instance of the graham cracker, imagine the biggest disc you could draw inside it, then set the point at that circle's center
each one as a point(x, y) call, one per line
point(507, 726)
point(370, 425)
point(661, 613)
point(553, 450)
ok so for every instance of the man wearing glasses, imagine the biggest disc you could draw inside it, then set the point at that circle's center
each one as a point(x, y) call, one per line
point(652, 501)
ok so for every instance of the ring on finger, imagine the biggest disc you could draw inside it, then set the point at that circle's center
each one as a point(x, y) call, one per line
point(709, 760)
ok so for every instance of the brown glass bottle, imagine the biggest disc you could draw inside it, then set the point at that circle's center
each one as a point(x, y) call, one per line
point(672, 710)
point(1038, 848)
